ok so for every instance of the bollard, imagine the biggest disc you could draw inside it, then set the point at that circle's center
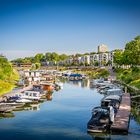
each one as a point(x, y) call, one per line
point(125, 89)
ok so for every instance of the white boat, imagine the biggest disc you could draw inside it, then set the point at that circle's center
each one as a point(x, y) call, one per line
point(116, 91)
point(59, 84)
point(30, 95)
point(23, 101)
point(16, 104)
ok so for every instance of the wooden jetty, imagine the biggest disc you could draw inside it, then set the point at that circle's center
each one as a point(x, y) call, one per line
point(121, 121)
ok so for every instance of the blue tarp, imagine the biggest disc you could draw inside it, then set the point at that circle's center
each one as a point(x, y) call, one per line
point(75, 75)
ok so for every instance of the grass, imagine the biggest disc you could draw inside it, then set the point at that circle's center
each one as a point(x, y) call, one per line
point(130, 76)
point(5, 87)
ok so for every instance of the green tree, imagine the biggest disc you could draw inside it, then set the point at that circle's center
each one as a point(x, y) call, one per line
point(78, 55)
point(39, 57)
point(48, 56)
point(109, 62)
point(96, 63)
point(132, 52)
point(18, 60)
point(63, 57)
point(118, 57)
point(103, 63)
point(55, 57)
point(37, 65)
point(86, 54)
point(91, 53)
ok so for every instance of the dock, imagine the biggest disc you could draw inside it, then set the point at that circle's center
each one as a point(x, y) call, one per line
point(121, 121)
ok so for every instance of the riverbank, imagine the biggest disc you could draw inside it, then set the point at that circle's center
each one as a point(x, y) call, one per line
point(5, 87)
point(130, 77)
point(93, 73)
point(8, 76)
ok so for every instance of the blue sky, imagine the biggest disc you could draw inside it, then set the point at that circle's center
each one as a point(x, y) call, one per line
point(28, 27)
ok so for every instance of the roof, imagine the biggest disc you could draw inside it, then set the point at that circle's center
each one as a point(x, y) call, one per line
point(75, 75)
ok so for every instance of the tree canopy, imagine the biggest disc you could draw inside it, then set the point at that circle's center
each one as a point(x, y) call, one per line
point(118, 57)
point(132, 52)
point(130, 55)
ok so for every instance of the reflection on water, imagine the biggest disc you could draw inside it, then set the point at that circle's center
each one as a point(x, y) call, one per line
point(7, 115)
point(62, 115)
point(86, 83)
point(49, 96)
point(100, 136)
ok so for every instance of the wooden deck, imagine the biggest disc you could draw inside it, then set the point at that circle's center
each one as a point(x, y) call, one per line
point(121, 121)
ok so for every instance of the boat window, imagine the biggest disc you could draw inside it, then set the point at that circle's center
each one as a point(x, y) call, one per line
point(34, 94)
point(95, 113)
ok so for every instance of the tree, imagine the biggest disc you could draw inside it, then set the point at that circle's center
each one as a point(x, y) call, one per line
point(55, 57)
point(37, 65)
point(109, 62)
point(63, 57)
point(132, 52)
point(86, 54)
point(96, 63)
point(118, 57)
point(78, 55)
point(39, 57)
point(18, 60)
point(91, 53)
point(7, 73)
point(103, 63)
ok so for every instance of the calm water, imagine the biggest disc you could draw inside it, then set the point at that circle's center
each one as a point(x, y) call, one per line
point(65, 117)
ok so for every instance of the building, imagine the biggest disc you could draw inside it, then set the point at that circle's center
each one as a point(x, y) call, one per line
point(32, 76)
point(101, 58)
point(22, 65)
point(102, 48)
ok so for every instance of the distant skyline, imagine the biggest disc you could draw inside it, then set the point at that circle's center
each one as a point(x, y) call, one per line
point(28, 27)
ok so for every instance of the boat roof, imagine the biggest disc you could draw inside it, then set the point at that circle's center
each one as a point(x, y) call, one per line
point(117, 97)
point(115, 89)
point(100, 109)
point(78, 75)
point(32, 91)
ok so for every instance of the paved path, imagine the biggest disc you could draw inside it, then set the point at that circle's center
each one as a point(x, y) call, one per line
point(112, 73)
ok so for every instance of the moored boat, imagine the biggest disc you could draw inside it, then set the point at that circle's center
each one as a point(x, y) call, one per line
point(30, 95)
point(99, 121)
point(102, 118)
point(111, 100)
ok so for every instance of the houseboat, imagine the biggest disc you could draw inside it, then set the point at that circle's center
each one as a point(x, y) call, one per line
point(47, 86)
point(30, 94)
point(75, 77)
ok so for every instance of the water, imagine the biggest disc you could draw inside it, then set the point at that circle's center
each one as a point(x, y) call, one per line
point(64, 117)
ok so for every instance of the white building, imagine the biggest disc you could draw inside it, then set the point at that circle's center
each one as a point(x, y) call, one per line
point(102, 57)
point(102, 48)
point(84, 59)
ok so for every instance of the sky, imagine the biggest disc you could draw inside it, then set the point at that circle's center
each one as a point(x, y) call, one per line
point(28, 27)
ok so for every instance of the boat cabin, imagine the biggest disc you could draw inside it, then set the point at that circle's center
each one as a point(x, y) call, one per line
point(30, 94)
point(116, 91)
